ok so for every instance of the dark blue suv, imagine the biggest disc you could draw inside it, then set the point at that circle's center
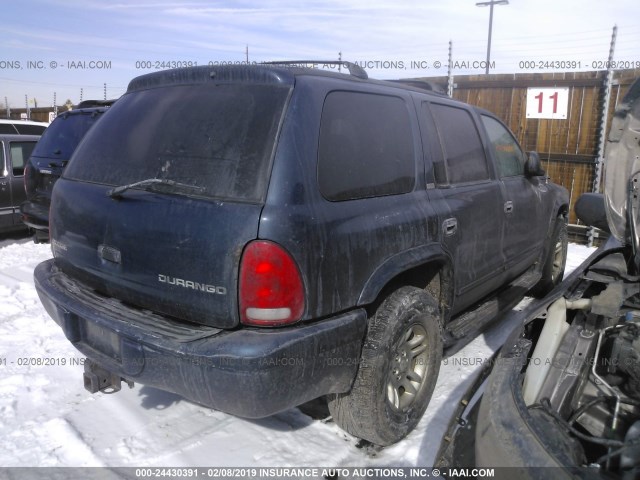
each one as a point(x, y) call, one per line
point(50, 156)
point(254, 237)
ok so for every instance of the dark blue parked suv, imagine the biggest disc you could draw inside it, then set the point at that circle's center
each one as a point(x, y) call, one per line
point(256, 237)
point(50, 156)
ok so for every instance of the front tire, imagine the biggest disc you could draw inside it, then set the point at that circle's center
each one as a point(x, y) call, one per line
point(555, 261)
point(398, 370)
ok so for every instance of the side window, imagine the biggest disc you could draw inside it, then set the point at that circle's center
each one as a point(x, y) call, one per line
point(463, 151)
point(365, 147)
point(20, 153)
point(30, 129)
point(506, 150)
point(7, 129)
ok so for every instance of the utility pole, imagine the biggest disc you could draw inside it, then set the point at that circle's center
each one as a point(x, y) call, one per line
point(490, 4)
point(246, 51)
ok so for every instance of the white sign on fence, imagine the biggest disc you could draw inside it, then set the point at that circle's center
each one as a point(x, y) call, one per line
point(547, 102)
point(52, 116)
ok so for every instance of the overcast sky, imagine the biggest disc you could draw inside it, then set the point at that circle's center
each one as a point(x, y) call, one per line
point(62, 46)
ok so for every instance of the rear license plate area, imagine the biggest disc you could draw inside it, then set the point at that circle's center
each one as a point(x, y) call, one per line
point(102, 340)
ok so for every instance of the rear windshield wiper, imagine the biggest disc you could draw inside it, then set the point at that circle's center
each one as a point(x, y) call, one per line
point(151, 182)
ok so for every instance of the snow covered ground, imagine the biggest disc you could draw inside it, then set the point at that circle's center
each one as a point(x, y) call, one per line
point(48, 419)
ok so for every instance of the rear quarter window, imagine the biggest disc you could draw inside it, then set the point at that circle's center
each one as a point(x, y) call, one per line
point(217, 137)
point(365, 147)
point(20, 153)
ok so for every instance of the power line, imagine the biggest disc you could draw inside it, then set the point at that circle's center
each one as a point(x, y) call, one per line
point(57, 84)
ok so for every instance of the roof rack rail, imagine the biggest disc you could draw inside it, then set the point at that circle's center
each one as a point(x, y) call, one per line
point(355, 70)
point(95, 103)
point(422, 84)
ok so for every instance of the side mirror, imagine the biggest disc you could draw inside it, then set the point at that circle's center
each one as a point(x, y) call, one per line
point(591, 211)
point(533, 166)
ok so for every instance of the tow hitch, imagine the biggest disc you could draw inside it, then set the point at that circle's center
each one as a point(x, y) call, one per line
point(97, 379)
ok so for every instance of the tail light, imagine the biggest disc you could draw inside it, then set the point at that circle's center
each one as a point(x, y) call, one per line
point(270, 291)
point(27, 181)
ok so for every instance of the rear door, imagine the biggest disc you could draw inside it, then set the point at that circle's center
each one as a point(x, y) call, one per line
point(464, 181)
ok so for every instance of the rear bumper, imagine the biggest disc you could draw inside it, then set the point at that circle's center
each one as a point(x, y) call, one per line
point(251, 373)
point(35, 215)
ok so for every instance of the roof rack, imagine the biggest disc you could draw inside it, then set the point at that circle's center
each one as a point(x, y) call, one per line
point(422, 84)
point(95, 103)
point(355, 70)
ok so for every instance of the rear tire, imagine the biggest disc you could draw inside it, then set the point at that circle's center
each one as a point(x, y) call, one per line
point(398, 370)
point(555, 261)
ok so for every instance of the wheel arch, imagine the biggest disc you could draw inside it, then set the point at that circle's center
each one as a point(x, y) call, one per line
point(563, 211)
point(428, 267)
point(560, 209)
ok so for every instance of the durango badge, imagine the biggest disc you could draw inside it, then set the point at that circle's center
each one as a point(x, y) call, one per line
point(179, 282)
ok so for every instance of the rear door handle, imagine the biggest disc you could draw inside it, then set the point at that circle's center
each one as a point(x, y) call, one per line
point(450, 226)
point(508, 207)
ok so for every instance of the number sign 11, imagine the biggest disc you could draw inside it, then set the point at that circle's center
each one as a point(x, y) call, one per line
point(547, 102)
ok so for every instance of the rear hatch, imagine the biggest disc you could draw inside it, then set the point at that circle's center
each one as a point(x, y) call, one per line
point(54, 150)
point(162, 196)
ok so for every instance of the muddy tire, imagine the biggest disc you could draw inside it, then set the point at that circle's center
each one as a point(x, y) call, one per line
point(555, 261)
point(398, 369)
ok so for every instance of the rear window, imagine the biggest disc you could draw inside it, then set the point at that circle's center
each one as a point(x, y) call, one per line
point(62, 137)
point(219, 138)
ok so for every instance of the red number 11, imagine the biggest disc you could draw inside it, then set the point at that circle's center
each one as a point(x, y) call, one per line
point(554, 97)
